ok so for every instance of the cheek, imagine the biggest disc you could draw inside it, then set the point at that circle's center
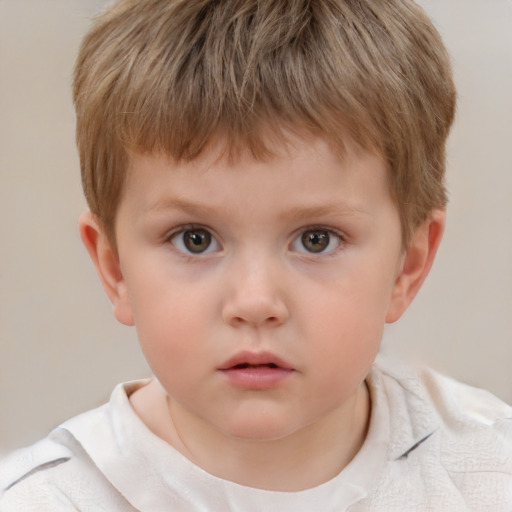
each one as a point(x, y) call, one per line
point(354, 304)
point(169, 321)
point(346, 323)
point(349, 336)
point(339, 354)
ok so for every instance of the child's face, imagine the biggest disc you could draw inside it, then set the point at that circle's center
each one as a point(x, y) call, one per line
point(287, 266)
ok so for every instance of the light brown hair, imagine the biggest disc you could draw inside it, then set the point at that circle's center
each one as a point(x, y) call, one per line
point(171, 75)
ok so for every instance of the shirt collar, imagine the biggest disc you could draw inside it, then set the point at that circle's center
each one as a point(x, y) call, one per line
point(412, 417)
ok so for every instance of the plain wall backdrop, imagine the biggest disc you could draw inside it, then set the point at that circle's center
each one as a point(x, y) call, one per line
point(61, 350)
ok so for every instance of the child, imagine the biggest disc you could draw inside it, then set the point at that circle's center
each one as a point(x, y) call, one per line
point(265, 182)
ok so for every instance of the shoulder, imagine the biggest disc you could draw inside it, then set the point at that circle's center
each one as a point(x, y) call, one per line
point(465, 417)
point(447, 400)
point(57, 475)
point(447, 440)
point(29, 461)
point(467, 413)
point(27, 477)
point(476, 426)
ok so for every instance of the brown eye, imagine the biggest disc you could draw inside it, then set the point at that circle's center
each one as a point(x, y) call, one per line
point(316, 240)
point(195, 241)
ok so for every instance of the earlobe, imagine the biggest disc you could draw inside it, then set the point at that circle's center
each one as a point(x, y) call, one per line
point(107, 265)
point(416, 265)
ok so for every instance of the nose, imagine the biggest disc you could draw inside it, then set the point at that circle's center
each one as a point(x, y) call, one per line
point(255, 296)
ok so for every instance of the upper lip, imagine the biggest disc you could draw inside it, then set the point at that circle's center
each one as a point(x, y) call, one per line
point(255, 359)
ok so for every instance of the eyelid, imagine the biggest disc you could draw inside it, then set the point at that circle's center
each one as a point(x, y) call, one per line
point(170, 236)
point(342, 238)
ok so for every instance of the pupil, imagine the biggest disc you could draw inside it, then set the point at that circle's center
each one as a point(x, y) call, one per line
point(315, 241)
point(197, 241)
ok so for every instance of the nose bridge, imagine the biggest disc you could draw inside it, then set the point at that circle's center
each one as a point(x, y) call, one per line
point(255, 293)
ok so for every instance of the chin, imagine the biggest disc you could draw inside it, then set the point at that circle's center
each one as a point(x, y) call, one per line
point(261, 428)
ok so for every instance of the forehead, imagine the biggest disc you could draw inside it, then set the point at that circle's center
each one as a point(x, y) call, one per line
point(304, 173)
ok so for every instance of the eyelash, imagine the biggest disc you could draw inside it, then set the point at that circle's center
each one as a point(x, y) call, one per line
point(297, 239)
point(341, 240)
point(171, 237)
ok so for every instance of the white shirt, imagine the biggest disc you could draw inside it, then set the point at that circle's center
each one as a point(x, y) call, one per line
point(433, 445)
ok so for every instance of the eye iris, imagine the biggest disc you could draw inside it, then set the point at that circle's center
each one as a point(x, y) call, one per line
point(315, 241)
point(197, 241)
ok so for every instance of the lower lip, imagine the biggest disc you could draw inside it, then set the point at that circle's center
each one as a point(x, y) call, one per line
point(257, 378)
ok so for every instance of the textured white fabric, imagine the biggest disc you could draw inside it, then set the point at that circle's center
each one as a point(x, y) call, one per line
point(433, 445)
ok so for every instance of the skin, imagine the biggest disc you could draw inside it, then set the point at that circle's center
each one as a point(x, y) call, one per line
point(258, 287)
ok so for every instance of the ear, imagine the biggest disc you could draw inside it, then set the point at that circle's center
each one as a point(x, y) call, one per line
point(106, 261)
point(416, 263)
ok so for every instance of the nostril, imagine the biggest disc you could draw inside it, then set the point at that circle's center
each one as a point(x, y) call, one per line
point(270, 320)
point(255, 309)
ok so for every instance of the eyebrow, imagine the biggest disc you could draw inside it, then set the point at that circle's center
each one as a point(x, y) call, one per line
point(297, 212)
point(326, 210)
point(179, 204)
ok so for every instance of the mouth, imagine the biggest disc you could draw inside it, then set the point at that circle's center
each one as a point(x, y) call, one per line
point(243, 366)
point(256, 371)
point(255, 360)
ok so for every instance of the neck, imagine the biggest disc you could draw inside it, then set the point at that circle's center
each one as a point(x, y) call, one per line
point(301, 460)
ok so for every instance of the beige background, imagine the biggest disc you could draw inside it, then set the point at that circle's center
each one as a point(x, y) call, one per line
point(61, 351)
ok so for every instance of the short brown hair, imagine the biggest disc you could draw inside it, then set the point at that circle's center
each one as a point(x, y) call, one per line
point(170, 75)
